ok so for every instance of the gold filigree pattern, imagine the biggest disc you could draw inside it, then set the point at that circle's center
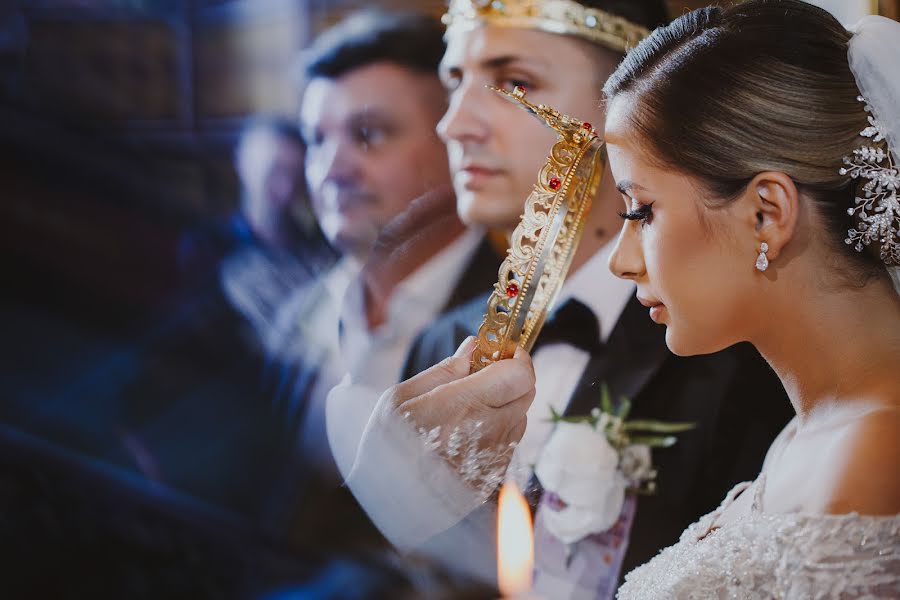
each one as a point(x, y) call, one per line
point(544, 243)
point(554, 16)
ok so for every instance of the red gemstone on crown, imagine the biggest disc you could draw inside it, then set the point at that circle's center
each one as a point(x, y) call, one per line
point(587, 126)
point(554, 183)
point(512, 290)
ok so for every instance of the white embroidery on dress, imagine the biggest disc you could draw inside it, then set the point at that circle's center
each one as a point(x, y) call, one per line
point(784, 556)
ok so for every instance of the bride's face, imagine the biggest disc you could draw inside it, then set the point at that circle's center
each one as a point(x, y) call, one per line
point(683, 255)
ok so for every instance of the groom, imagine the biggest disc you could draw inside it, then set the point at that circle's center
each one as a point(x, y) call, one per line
point(600, 334)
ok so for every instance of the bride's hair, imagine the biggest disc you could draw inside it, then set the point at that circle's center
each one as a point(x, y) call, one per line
point(725, 94)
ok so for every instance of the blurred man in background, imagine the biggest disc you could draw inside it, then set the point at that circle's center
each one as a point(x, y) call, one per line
point(269, 161)
point(374, 164)
point(279, 246)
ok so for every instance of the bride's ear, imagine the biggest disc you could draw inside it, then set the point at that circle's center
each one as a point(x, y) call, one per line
point(774, 202)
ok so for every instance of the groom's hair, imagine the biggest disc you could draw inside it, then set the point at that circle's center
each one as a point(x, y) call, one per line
point(725, 94)
point(646, 13)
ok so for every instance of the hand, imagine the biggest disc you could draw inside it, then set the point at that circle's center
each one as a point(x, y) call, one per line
point(446, 395)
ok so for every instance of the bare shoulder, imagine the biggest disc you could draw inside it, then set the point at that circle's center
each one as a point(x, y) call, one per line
point(869, 481)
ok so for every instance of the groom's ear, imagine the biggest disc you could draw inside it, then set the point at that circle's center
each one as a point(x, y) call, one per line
point(772, 209)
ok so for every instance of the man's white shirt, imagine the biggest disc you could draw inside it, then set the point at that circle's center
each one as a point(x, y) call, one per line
point(376, 357)
point(387, 472)
point(373, 360)
point(559, 366)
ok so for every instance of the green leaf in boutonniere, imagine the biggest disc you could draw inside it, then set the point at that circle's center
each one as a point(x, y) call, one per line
point(623, 408)
point(657, 426)
point(631, 440)
point(606, 400)
point(654, 441)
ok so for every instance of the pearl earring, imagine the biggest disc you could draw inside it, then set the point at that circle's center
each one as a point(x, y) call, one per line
point(762, 261)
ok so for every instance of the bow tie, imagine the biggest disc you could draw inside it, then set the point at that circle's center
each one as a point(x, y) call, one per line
point(572, 323)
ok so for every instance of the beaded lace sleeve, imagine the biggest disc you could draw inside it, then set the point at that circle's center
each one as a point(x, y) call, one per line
point(786, 556)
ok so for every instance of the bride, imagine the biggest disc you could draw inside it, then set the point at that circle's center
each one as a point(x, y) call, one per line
point(761, 205)
point(726, 133)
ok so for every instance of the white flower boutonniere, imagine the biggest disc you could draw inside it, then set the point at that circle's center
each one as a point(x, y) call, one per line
point(590, 463)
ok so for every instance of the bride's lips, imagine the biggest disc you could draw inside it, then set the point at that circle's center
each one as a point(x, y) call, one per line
point(656, 307)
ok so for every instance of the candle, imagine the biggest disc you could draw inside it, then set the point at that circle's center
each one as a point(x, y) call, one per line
point(515, 543)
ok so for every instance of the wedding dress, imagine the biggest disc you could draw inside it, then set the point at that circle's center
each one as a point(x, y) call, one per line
point(766, 555)
point(795, 555)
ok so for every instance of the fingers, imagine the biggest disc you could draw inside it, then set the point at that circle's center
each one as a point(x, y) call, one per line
point(518, 430)
point(496, 385)
point(515, 414)
point(522, 354)
point(448, 388)
point(448, 370)
point(467, 347)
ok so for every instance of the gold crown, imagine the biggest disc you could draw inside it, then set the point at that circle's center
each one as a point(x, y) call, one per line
point(544, 242)
point(565, 17)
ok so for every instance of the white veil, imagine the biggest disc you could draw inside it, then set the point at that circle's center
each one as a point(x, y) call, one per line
point(874, 55)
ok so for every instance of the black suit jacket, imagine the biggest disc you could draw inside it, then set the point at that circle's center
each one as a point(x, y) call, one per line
point(733, 396)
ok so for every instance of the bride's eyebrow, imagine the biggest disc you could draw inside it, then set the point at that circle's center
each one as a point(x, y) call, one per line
point(626, 186)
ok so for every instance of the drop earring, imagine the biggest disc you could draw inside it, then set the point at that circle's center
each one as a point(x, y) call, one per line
point(762, 261)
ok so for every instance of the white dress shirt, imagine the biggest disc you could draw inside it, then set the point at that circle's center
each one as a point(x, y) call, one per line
point(411, 495)
point(373, 360)
point(376, 357)
point(558, 366)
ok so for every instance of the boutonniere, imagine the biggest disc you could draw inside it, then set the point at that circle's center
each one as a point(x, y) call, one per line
point(590, 463)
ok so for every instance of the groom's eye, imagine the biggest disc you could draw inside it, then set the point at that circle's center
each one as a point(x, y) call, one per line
point(510, 81)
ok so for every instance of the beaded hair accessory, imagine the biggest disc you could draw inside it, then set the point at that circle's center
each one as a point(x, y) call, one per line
point(554, 16)
point(544, 243)
point(876, 205)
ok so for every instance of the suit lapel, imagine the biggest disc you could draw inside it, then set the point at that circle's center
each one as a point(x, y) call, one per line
point(477, 278)
point(637, 348)
point(633, 354)
point(469, 318)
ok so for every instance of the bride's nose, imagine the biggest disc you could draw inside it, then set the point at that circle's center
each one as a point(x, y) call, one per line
point(627, 258)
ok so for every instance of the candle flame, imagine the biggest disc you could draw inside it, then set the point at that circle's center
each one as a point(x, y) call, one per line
point(515, 541)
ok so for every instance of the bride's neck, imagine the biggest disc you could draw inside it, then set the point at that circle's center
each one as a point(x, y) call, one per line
point(834, 345)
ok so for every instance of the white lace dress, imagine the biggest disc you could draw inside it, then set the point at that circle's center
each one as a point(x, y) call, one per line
point(785, 556)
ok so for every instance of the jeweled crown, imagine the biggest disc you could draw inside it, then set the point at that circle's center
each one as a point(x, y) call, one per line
point(564, 17)
point(543, 244)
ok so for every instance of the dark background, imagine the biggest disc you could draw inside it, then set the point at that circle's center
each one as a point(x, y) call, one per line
point(118, 120)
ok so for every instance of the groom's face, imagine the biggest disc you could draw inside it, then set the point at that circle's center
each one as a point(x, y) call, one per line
point(495, 148)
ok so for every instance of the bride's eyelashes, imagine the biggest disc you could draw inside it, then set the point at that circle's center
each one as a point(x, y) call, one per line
point(643, 214)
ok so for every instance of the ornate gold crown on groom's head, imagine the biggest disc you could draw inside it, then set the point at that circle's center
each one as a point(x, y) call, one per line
point(543, 244)
point(565, 17)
